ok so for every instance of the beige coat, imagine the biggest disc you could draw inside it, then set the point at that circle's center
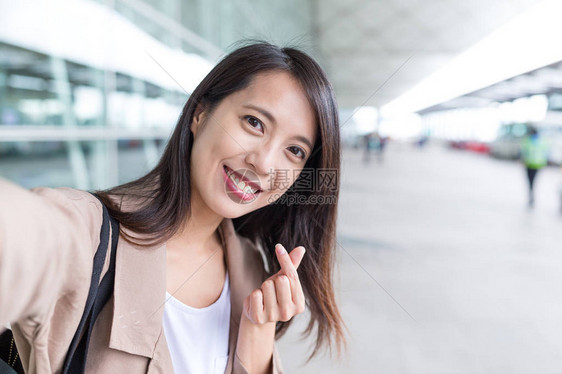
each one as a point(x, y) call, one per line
point(48, 237)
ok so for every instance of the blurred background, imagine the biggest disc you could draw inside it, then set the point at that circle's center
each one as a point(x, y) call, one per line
point(448, 261)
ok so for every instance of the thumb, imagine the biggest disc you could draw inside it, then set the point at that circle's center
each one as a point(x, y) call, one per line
point(297, 255)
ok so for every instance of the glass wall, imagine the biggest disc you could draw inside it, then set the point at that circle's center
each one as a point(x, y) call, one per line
point(90, 91)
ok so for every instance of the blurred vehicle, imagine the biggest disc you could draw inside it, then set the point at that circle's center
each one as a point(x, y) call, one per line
point(553, 139)
point(478, 147)
point(551, 130)
point(507, 144)
point(457, 144)
point(470, 145)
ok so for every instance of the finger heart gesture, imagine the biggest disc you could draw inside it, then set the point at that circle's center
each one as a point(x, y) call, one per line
point(280, 296)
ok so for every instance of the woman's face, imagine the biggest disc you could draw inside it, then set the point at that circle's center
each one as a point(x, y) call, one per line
point(258, 137)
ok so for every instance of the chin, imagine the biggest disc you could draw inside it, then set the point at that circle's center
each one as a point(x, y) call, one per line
point(230, 209)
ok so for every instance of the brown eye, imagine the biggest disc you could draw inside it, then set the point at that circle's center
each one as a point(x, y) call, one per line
point(254, 122)
point(298, 151)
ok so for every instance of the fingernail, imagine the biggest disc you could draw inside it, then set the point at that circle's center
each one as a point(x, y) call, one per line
point(280, 249)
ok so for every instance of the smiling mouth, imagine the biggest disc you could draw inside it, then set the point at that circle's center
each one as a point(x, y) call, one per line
point(240, 186)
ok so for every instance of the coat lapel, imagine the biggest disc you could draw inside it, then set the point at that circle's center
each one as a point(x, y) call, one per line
point(140, 292)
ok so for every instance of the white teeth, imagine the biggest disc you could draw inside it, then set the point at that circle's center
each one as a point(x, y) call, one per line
point(241, 185)
point(234, 179)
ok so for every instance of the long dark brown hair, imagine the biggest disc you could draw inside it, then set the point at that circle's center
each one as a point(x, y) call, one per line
point(165, 191)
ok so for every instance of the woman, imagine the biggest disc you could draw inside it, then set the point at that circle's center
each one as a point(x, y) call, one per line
point(194, 233)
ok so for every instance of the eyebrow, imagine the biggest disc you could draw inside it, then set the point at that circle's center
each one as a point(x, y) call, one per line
point(272, 119)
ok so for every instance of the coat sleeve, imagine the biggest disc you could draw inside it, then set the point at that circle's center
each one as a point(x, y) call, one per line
point(47, 240)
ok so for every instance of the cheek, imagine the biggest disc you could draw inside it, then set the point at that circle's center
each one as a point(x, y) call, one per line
point(205, 148)
point(201, 161)
point(283, 181)
point(222, 140)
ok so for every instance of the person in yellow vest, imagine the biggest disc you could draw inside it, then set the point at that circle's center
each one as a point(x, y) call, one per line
point(534, 154)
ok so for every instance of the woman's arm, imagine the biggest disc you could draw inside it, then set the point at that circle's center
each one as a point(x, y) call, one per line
point(254, 349)
point(46, 242)
point(279, 299)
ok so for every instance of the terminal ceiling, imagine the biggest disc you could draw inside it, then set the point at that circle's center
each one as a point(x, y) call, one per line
point(376, 50)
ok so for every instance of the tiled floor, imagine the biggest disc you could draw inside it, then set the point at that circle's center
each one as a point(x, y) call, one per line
point(443, 268)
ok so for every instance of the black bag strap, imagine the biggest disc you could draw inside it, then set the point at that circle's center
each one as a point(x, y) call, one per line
point(98, 295)
point(10, 362)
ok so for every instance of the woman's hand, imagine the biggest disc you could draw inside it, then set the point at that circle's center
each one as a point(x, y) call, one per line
point(280, 296)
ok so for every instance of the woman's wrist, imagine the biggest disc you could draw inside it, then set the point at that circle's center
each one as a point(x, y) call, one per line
point(254, 348)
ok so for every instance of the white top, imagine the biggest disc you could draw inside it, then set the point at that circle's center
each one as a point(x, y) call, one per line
point(198, 337)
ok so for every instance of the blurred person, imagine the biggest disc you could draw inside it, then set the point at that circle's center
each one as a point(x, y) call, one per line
point(381, 146)
point(560, 188)
point(367, 146)
point(422, 141)
point(205, 214)
point(534, 154)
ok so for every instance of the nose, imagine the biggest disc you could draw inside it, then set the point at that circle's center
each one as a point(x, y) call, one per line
point(262, 160)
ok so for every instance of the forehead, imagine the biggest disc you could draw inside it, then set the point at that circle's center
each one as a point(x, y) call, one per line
point(283, 96)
